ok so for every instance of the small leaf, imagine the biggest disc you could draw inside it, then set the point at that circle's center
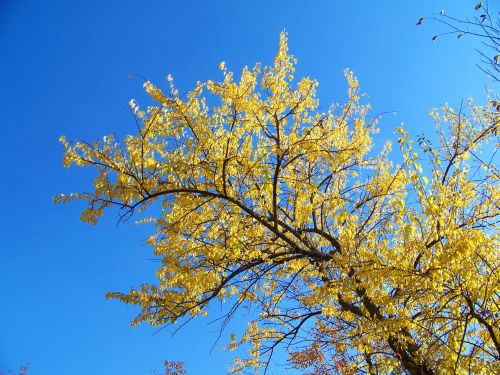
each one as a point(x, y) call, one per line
point(442, 13)
point(478, 6)
point(434, 37)
point(460, 35)
point(421, 19)
point(495, 104)
point(496, 58)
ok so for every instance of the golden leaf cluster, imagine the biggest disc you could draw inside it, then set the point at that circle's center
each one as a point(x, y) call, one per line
point(356, 263)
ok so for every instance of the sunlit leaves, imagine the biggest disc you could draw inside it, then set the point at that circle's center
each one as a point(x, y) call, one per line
point(352, 261)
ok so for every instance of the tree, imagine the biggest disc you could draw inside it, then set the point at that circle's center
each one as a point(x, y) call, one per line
point(485, 27)
point(354, 263)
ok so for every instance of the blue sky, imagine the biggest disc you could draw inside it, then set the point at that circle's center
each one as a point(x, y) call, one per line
point(64, 69)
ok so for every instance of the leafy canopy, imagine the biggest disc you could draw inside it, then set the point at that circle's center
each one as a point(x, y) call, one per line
point(355, 264)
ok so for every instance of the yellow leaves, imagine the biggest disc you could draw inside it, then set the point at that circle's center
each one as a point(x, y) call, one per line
point(65, 198)
point(330, 311)
point(253, 328)
point(404, 136)
point(340, 347)
point(417, 165)
point(265, 200)
point(90, 215)
point(232, 344)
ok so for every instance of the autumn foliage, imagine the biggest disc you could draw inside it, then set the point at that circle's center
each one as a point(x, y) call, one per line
point(355, 263)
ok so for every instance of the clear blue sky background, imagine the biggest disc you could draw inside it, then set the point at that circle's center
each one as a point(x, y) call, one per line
point(63, 70)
